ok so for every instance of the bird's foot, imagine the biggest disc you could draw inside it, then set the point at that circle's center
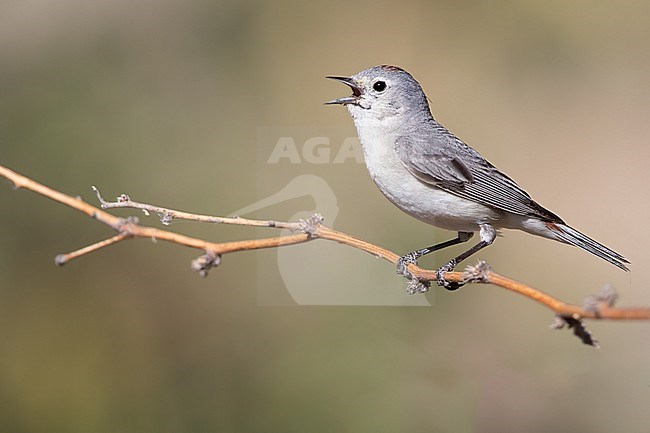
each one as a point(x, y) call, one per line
point(449, 285)
point(404, 262)
point(415, 285)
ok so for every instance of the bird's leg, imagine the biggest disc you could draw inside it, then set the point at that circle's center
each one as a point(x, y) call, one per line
point(488, 234)
point(412, 258)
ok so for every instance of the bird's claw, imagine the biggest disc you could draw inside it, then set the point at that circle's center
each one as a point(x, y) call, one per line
point(440, 273)
point(414, 285)
point(404, 262)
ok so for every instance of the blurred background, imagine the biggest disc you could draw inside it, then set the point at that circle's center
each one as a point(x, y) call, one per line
point(165, 100)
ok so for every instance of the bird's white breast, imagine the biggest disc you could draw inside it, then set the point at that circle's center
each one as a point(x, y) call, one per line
point(420, 200)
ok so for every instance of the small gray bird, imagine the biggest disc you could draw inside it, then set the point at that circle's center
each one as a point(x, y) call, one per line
point(430, 174)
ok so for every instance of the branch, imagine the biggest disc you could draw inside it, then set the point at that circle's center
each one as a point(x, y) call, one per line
point(598, 307)
point(167, 215)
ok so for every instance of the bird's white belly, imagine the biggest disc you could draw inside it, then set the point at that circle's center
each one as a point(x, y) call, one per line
point(420, 200)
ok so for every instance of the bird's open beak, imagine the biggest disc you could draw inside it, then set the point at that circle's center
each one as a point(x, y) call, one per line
point(356, 92)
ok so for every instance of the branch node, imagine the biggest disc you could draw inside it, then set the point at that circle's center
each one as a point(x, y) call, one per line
point(204, 263)
point(166, 218)
point(416, 286)
point(607, 297)
point(311, 224)
point(125, 226)
point(579, 330)
point(478, 273)
point(60, 259)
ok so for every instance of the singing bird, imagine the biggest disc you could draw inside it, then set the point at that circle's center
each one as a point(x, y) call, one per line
point(432, 175)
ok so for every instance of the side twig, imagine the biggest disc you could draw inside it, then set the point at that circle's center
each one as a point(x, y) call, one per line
point(167, 215)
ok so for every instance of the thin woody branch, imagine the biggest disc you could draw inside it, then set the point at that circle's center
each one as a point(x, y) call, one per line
point(62, 259)
point(167, 215)
point(130, 227)
point(598, 307)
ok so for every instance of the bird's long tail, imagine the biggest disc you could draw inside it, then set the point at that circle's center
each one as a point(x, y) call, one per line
point(574, 237)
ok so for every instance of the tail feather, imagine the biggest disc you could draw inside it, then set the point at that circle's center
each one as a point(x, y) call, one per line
point(574, 237)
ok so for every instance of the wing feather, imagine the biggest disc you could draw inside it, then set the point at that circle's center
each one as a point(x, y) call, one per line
point(457, 168)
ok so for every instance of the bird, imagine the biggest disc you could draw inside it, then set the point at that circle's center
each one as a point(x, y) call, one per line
point(432, 175)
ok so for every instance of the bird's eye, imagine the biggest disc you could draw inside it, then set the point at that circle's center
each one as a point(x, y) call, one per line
point(379, 86)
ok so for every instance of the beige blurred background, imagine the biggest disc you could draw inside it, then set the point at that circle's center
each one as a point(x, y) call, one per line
point(164, 100)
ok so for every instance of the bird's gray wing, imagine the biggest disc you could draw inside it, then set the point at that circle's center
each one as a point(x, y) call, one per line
point(436, 168)
point(460, 170)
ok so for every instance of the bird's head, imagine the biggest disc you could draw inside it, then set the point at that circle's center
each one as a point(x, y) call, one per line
point(382, 92)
